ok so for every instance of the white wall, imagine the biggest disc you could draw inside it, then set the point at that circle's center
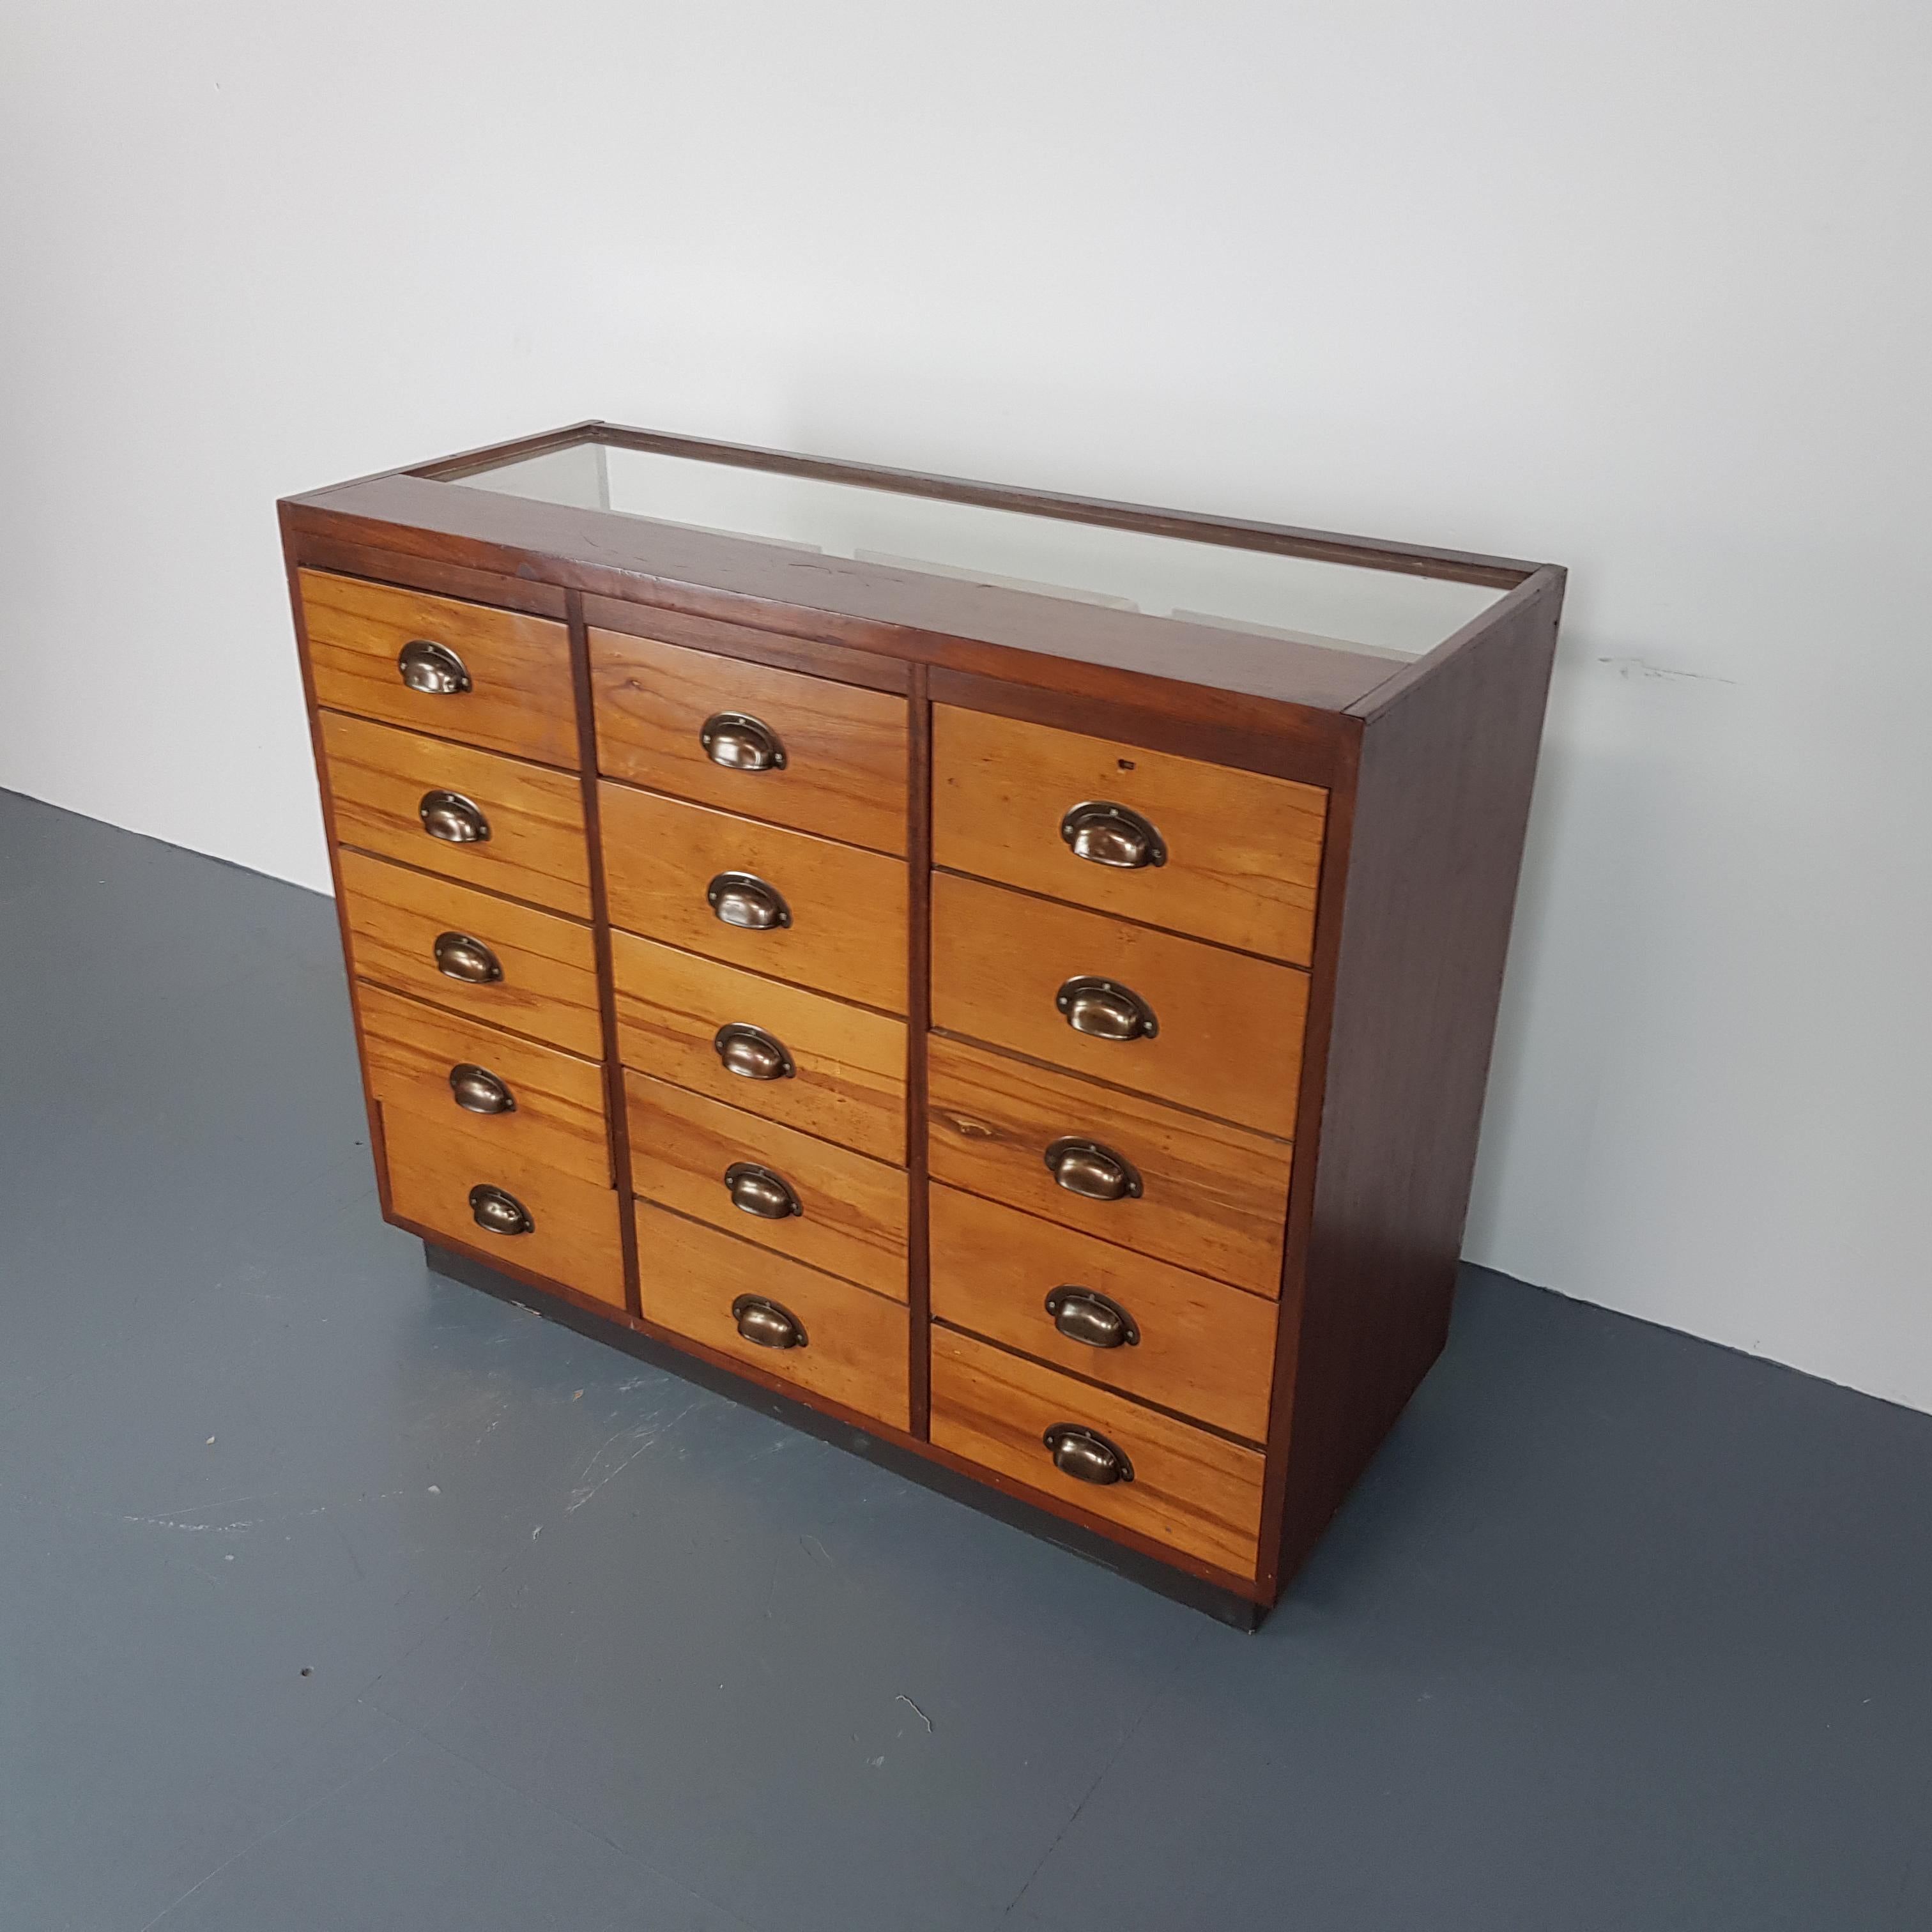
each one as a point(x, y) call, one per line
point(1642, 287)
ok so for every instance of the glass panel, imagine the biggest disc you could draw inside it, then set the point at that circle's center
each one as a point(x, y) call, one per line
point(1387, 612)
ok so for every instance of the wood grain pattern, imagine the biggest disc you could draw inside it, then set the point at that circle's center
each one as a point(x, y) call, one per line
point(854, 1222)
point(558, 1118)
point(849, 1086)
point(536, 851)
point(1216, 1196)
point(1246, 735)
point(844, 774)
point(1230, 1025)
point(1243, 851)
point(848, 906)
point(549, 986)
point(433, 1165)
point(520, 699)
point(1190, 1490)
point(855, 1351)
point(331, 557)
point(1205, 1349)
point(810, 656)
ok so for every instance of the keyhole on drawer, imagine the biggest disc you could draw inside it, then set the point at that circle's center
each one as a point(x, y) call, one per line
point(1126, 764)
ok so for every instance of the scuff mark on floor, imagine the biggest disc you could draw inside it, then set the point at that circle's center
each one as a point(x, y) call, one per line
point(639, 1438)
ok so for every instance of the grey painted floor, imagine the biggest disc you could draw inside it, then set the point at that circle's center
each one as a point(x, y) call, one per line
point(333, 1595)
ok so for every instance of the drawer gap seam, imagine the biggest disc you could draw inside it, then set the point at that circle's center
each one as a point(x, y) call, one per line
point(444, 738)
point(752, 818)
point(1301, 966)
point(751, 1114)
point(463, 1012)
point(417, 1000)
point(757, 972)
point(468, 884)
point(1108, 1086)
point(664, 1208)
point(1109, 1389)
point(1045, 1221)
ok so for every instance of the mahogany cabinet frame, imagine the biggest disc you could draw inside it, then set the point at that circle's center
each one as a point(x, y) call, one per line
point(1428, 765)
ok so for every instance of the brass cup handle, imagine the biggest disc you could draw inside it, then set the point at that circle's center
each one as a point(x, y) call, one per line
point(1087, 1456)
point(752, 1054)
point(1094, 1172)
point(1105, 1009)
point(1085, 1315)
point(433, 669)
point(460, 957)
point(455, 820)
point(741, 743)
point(767, 1323)
point(758, 1190)
point(740, 899)
point(477, 1090)
point(497, 1211)
point(1107, 834)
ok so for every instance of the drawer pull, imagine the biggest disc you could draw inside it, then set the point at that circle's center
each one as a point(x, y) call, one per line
point(739, 899)
point(478, 1090)
point(751, 1053)
point(1084, 1315)
point(767, 1323)
point(460, 957)
point(1086, 1455)
point(1110, 835)
point(758, 1190)
point(433, 669)
point(498, 1211)
point(455, 820)
point(742, 744)
point(1097, 1173)
point(1105, 1009)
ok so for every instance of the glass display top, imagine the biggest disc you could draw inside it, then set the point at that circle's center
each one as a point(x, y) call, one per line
point(1351, 607)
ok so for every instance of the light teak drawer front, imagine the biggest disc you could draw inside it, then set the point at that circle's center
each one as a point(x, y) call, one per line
point(856, 1345)
point(519, 699)
point(1214, 1198)
point(548, 988)
point(1190, 1490)
point(847, 908)
point(555, 1110)
point(843, 747)
point(379, 778)
point(848, 1078)
point(1230, 1026)
point(854, 1218)
point(1241, 853)
point(1202, 1347)
point(434, 1166)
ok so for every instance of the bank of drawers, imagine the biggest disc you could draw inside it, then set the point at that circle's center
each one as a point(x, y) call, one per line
point(1120, 939)
point(1120, 944)
point(754, 830)
point(450, 745)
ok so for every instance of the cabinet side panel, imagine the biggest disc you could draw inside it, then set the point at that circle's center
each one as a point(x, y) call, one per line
point(292, 561)
point(1440, 807)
